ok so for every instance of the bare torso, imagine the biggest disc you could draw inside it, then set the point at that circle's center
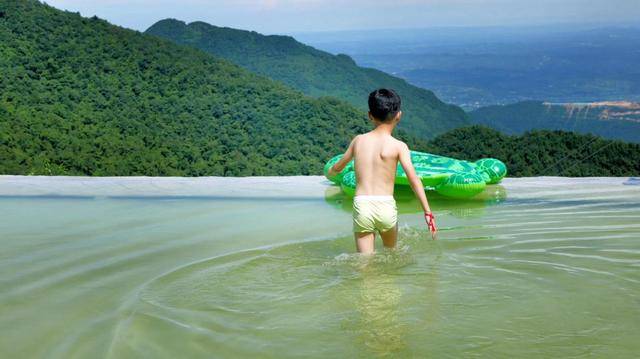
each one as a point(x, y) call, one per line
point(376, 158)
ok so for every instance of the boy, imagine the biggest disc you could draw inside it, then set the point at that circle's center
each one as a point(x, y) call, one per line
point(376, 156)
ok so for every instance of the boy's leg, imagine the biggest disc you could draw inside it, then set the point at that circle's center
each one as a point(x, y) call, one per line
point(365, 242)
point(390, 237)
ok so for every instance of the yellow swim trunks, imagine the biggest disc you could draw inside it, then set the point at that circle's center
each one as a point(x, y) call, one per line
point(371, 213)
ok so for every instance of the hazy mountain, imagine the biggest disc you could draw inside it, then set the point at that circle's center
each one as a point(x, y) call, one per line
point(480, 66)
point(314, 72)
point(81, 96)
point(615, 120)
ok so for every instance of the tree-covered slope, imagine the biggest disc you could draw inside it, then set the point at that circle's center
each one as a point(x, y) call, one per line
point(613, 120)
point(79, 96)
point(543, 153)
point(314, 72)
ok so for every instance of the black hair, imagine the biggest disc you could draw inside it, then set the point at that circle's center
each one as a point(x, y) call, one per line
point(384, 104)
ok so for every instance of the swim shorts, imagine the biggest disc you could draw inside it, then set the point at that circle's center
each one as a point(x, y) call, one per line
point(371, 213)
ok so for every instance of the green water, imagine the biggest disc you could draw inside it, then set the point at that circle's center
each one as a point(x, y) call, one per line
point(541, 267)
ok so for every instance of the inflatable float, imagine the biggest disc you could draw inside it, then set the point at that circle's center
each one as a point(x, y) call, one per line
point(448, 176)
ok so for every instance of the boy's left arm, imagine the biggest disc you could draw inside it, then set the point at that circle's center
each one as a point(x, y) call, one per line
point(418, 187)
point(342, 163)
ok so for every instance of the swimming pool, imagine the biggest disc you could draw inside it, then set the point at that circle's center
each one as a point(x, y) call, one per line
point(264, 267)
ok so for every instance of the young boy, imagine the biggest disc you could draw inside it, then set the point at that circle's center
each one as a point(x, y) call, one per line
point(376, 156)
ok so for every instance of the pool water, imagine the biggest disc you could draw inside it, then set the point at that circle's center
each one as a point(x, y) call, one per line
point(265, 267)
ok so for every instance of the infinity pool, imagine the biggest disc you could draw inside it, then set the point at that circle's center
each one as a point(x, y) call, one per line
point(264, 267)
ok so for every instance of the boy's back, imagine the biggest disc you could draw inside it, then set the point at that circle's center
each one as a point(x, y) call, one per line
point(376, 158)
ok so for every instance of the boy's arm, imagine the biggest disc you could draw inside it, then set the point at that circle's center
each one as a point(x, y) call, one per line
point(342, 163)
point(416, 185)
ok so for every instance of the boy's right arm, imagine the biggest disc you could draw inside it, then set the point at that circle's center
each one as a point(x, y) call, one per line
point(346, 158)
point(416, 185)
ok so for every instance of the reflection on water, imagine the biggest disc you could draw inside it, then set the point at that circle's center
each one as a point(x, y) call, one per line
point(407, 202)
point(383, 331)
point(552, 270)
point(383, 302)
point(257, 297)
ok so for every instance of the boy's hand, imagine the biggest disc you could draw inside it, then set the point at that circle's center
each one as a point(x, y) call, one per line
point(431, 223)
point(331, 172)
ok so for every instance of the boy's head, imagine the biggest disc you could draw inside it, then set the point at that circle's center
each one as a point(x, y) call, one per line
point(384, 105)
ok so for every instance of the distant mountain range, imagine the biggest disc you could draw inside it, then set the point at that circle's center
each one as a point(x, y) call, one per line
point(615, 120)
point(316, 73)
point(492, 65)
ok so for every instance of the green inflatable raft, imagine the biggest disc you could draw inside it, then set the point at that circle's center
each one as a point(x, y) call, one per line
point(447, 176)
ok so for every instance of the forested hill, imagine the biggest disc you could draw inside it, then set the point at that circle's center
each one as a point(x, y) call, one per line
point(79, 96)
point(615, 120)
point(543, 152)
point(314, 72)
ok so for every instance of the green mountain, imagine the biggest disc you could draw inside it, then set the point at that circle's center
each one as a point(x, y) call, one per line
point(543, 153)
point(79, 96)
point(314, 72)
point(615, 120)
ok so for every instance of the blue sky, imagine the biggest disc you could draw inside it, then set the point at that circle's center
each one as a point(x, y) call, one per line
point(287, 16)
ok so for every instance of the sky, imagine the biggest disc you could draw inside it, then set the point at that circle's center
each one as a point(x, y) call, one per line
point(291, 16)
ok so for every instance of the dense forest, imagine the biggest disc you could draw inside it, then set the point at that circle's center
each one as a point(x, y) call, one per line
point(610, 120)
point(543, 153)
point(79, 96)
point(314, 72)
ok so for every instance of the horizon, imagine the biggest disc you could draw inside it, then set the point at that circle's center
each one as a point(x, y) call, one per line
point(547, 27)
point(288, 17)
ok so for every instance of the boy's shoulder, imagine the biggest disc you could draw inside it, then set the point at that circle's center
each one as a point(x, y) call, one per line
point(398, 142)
point(390, 139)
